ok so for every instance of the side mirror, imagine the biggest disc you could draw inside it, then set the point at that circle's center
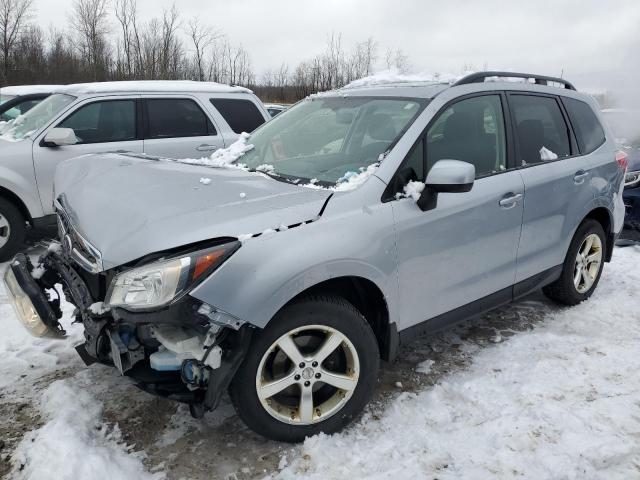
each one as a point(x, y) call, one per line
point(58, 137)
point(446, 176)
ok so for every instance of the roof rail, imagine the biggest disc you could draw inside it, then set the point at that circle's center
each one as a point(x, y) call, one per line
point(480, 77)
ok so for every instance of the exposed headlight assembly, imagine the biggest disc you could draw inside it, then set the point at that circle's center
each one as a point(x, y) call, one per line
point(159, 283)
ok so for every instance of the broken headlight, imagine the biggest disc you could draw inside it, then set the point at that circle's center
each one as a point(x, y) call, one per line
point(159, 283)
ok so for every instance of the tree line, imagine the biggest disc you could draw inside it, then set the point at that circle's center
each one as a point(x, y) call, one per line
point(107, 40)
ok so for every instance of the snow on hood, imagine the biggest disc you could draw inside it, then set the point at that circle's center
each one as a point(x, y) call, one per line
point(128, 206)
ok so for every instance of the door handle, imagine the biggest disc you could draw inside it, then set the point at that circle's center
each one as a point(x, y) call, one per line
point(206, 148)
point(579, 177)
point(510, 200)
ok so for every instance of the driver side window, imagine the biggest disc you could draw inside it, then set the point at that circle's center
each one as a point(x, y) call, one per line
point(101, 122)
point(471, 130)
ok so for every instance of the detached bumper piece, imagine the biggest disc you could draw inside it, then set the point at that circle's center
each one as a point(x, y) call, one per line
point(36, 308)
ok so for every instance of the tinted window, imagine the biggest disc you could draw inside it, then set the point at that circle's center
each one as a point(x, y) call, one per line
point(241, 115)
point(177, 117)
point(470, 130)
point(415, 161)
point(588, 130)
point(540, 128)
point(109, 121)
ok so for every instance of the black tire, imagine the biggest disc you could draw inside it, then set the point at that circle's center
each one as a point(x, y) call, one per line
point(17, 230)
point(329, 311)
point(563, 290)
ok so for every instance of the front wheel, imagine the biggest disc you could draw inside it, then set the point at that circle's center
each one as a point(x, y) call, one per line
point(12, 230)
point(313, 369)
point(582, 267)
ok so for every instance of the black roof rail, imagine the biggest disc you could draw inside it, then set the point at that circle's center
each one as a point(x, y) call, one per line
point(480, 77)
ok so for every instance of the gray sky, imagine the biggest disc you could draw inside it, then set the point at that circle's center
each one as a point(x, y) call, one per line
point(574, 36)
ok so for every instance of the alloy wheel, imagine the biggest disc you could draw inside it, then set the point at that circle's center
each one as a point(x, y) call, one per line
point(588, 262)
point(307, 375)
point(5, 230)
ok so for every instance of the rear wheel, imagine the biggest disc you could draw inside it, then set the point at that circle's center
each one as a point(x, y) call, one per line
point(12, 230)
point(312, 370)
point(582, 267)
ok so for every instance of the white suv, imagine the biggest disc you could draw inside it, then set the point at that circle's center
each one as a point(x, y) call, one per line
point(179, 119)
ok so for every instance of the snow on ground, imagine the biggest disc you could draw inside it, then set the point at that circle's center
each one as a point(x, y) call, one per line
point(557, 398)
point(560, 402)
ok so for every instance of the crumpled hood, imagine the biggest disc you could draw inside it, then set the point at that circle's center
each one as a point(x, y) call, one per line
point(128, 206)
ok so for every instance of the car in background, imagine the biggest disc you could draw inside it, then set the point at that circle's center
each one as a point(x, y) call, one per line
point(179, 119)
point(275, 108)
point(17, 100)
point(625, 124)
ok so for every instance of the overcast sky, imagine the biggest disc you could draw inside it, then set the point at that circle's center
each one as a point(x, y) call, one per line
point(571, 36)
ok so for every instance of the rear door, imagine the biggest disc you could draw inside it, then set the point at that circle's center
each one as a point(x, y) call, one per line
point(558, 181)
point(178, 127)
point(102, 125)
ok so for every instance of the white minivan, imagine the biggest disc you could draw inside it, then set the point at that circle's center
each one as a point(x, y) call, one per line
point(178, 119)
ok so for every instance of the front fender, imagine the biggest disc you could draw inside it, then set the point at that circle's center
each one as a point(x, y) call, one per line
point(268, 271)
point(23, 187)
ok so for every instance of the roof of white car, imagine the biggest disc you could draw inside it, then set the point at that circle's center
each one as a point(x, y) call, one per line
point(145, 86)
point(28, 89)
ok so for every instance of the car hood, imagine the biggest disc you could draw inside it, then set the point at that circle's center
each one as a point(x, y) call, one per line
point(128, 206)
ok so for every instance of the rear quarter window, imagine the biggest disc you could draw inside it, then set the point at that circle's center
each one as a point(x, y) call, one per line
point(587, 127)
point(241, 115)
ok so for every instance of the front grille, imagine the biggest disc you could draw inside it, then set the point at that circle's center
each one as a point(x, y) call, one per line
point(75, 245)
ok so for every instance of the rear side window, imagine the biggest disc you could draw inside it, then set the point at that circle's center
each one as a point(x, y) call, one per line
point(101, 122)
point(541, 130)
point(176, 117)
point(589, 132)
point(241, 115)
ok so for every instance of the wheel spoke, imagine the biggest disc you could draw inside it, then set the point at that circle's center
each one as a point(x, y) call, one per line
point(338, 380)
point(290, 349)
point(586, 278)
point(3, 222)
point(306, 405)
point(332, 342)
point(587, 245)
point(269, 389)
point(594, 257)
point(577, 275)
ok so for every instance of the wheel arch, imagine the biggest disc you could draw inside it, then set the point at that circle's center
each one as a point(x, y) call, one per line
point(603, 216)
point(15, 199)
point(370, 301)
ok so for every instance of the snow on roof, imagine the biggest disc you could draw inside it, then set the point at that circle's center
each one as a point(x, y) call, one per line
point(150, 86)
point(394, 77)
point(28, 89)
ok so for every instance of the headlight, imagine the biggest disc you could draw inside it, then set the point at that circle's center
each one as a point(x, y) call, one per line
point(158, 283)
point(632, 179)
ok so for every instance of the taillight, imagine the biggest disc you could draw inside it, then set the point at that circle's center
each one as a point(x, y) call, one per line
point(622, 159)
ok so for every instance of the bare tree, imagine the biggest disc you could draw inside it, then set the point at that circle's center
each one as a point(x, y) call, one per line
point(14, 16)
point(89, 20)
point(202, 37)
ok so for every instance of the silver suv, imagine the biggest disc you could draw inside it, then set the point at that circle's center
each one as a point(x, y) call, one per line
point(169, 118)
point(341, 229)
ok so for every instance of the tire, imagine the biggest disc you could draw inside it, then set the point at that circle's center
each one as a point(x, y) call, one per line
point(281, 416)
point(564, 290)
point(13, 230)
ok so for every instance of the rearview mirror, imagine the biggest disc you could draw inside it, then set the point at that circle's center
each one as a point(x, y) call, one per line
point(58, 137)
point(446, 176)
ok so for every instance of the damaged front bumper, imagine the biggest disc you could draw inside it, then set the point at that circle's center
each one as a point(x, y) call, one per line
point(186, 351)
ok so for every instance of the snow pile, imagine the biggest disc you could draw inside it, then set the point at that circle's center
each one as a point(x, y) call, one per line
point(352, 180)
point(546, 154)
point(74, 442)
point(394, 76)
point(559, 402)
point(223, 157)
point(99, 308)
point(412, 189)
point(205, 180)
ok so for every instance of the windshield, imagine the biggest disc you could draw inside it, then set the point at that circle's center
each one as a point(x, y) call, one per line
point(327, 139)
point(37, 117)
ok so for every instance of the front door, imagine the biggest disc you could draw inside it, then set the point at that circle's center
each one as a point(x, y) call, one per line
point(465, 248)
point(100, 126)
